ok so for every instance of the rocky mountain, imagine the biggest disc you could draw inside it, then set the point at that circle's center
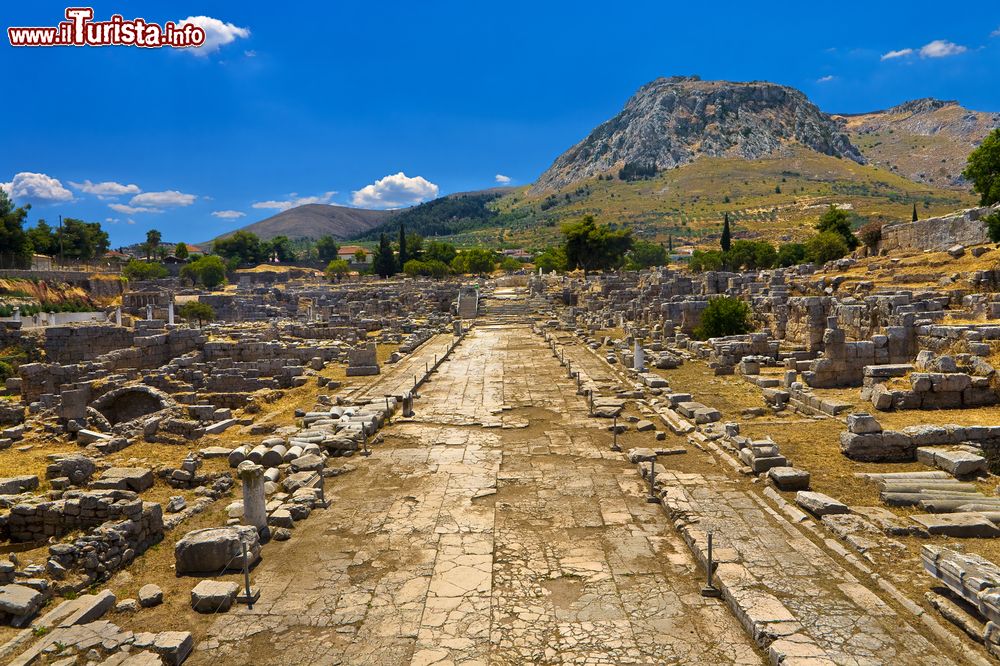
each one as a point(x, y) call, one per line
point(316, 220)
point(674, 121)
point(925, 140)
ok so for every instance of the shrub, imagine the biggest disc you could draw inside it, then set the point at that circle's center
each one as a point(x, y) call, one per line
point(993, 226)
point(475, 260)
point(825, 247)
point(724, 315)
point(337, 268)
point(983, 169)
point(871, 235)
point(429, 268)
point(705, 261)
point(552, 259)
point(791, 254)
point(510, 264)
point(6, 371)
point(144, 270)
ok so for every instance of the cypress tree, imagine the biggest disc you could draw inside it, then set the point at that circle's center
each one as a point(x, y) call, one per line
point(914, 212)
point(727, 235)
point(403, 254)
point(670, 242)
point(384, 263)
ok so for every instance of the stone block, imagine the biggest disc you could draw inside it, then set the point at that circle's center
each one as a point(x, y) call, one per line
point(212, 596)
point(789, 478)
point(819, 504)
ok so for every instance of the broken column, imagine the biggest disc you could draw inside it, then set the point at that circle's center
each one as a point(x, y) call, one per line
point(362, 361)
point(149, 311)
point(170, 313)
point(254, 501)
point(118, 316)
point(638, 357)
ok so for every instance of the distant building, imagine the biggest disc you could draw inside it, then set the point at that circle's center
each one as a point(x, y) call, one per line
point(41, 262)
point(113, 258)
point(517, 253)
point(348, 252)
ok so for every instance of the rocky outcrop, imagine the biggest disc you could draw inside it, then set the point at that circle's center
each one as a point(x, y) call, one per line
point(674, 121)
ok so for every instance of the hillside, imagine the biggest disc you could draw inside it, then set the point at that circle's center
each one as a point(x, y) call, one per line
point(674, 121)
point(316, 220)
point(777, 198)
point(446, 216)
point(925, 140)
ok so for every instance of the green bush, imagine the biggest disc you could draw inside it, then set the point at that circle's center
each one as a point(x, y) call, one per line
point(724, 315)
point(6, 371)
point(993, 226)
point(337, 268)
point(825, 247)
point(705, 261)
point(429, 268)
point(510, 264)
point(791, 254)
point(144, 270)
point(551, 259)
point(474, 260)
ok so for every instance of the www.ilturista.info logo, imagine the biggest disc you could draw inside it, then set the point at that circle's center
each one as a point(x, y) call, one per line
point(79, 29)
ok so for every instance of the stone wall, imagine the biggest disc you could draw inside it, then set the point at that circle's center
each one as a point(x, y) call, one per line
point(937, 233)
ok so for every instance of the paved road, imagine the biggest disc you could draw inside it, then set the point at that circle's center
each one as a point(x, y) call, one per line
point(493, 528)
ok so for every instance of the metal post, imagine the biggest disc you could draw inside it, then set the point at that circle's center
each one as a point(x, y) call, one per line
point(364, 442)
point(710, 590)
point(246, 575)
point(614, 428)
point(388, 411)
point(652, 499)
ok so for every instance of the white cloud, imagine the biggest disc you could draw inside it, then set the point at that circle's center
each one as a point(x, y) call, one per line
point(37, 186)
point(995, 33)
point(132, 210)
point(250, 53)
point(112, 220)
point(901, 53)
point(395, 191)
point(163, 199)
point(131, 221)
point(217, 33)
point(294, 201)
point(228, 214)
point(106, 190)
point(941, 48)
point(502, 179)
point(825, 79)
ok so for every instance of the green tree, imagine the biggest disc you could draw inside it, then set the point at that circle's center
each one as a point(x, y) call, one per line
point(914, 212)
point(725, 315)
point(551, 259)
point(983, 169)
point(825, 247)
point(403, 255)
point(839, 222)
point(337, 268)
point(144, 270)
point(181, 251)
point(440, 251)
point(208, 271)
point(727, 235)
point(243, 246)
point(196, 310)
point(43, 239)
point(15, 248)
point(153, 238)
point(645, 255)
point(429, 268)
point(384, 263)
point(510, 264)
point(82, 240)
point(595, 247)
point(791, 254)
point(414, 245)
point(360, 256)
point(280, 247)
point(750, 255)
point(702, 260)
point(326, 248)
point(474, 260)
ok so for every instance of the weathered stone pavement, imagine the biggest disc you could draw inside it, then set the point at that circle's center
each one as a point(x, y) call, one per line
point(494, 527)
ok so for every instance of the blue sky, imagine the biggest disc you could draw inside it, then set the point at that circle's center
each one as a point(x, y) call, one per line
point(332, 101)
